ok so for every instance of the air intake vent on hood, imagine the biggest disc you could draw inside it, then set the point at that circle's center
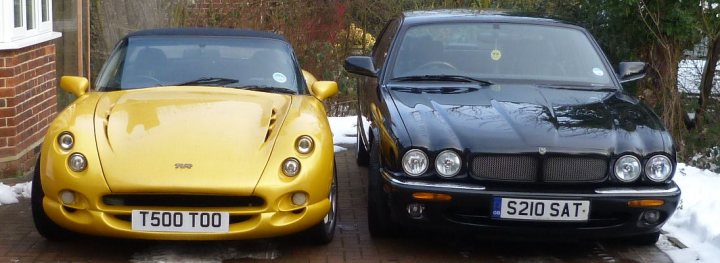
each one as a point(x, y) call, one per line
point(271, 125)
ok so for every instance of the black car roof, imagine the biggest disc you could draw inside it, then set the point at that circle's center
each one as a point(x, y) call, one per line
point(206, 32)
point(472, 15)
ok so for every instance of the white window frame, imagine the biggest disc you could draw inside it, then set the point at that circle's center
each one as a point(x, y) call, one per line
point(12, 37)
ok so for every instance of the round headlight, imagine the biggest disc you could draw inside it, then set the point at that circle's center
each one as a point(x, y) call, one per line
point(77, 162)
point(415, 162)
point(658, 168)
point(627, 168)
point(291, 167)
point(448, 164)
point(66, 141)
point(304, 144)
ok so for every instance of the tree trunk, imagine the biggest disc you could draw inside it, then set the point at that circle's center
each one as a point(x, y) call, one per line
point(706, 84)
point(663, 79)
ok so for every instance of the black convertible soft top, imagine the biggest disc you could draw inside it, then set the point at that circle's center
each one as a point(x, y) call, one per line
point(205, 32)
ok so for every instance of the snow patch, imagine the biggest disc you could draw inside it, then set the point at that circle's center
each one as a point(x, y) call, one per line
point(695, 220)
point(344, 131)
point(339, 149)
point(10, 194)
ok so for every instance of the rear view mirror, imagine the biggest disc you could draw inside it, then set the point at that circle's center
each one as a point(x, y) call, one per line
point(631, 71)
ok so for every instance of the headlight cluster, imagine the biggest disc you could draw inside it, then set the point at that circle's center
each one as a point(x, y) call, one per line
point(447, 164)
point(76, 161)
point(303, 145)
point(657, 169)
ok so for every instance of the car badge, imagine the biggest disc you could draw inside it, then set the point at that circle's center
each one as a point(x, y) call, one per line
point(542, 150)
point(183, 166)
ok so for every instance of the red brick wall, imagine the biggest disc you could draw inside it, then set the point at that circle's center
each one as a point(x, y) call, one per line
point(27, 104)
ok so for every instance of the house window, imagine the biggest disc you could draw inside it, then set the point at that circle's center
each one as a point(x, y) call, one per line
point(30, 14)
point(45, 10)
point(27, 22)
point(18, 10)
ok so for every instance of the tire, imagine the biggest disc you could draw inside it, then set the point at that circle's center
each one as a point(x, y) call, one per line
point(361, 155)
point(378, 211)
point(323, 232)
point(43, 224)
point(645, 239)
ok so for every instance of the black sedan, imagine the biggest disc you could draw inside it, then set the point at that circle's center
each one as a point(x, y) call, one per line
point(508, 126)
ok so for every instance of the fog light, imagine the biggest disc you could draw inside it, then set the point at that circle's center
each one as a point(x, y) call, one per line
point(67, 197)
point(415, 210)
point(299, 198)
point(651, 216)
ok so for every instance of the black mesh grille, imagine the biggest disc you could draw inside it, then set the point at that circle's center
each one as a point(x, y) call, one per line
point(574, 169)
point(516, 168)
point(183, 200)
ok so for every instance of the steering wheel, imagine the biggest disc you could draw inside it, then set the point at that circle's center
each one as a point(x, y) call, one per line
point(436, 64)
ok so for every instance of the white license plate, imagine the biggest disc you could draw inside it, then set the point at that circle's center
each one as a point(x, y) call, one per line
point(540, 210)
point(180, 221)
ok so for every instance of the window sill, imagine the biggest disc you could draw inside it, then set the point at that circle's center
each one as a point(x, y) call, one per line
point(25, 42)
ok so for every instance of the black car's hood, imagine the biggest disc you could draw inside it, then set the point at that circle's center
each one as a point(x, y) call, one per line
point(524, 118)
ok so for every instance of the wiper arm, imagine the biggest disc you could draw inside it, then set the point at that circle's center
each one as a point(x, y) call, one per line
point(570, 86)
point(208, 81)
point(454, 78)
point(267, 89)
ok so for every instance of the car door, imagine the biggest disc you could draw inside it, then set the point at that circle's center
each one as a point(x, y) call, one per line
point(369, 91)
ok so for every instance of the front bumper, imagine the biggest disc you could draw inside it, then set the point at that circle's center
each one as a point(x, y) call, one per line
point(255, 223)
point(470, 209)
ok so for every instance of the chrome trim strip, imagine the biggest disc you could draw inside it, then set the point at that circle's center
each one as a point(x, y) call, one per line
point(637, 190)
point(612, 191)
point(437, 186)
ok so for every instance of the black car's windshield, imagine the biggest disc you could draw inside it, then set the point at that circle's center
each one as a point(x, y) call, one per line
point(153, 61)
point(500, 52)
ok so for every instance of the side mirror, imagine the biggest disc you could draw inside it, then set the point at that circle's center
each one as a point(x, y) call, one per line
point(78, 86)
point(361, 65)
point(324, 89)
point(631, 71)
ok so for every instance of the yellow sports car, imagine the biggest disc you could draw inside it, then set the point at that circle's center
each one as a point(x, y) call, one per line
point(192, 134)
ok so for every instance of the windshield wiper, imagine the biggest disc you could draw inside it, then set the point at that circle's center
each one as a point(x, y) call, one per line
point(454, 78)
point(208, 81)
point(574, 86)
point(267, 89)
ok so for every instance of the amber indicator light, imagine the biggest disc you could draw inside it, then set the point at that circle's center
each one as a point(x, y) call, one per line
point(432, 196)
point(645, 203)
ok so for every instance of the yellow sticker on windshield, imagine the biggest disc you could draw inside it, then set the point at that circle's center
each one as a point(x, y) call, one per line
point(496, 54)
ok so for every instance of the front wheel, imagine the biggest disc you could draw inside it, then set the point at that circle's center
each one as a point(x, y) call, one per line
point(44, 225)
point(378, 211)
point(323, 232)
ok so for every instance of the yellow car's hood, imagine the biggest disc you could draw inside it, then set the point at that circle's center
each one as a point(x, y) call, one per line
point(187, 139)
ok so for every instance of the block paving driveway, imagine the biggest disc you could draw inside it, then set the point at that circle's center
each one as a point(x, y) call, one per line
point(20, 243)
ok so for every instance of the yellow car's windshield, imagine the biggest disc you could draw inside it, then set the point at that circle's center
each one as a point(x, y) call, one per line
point(237, 62)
